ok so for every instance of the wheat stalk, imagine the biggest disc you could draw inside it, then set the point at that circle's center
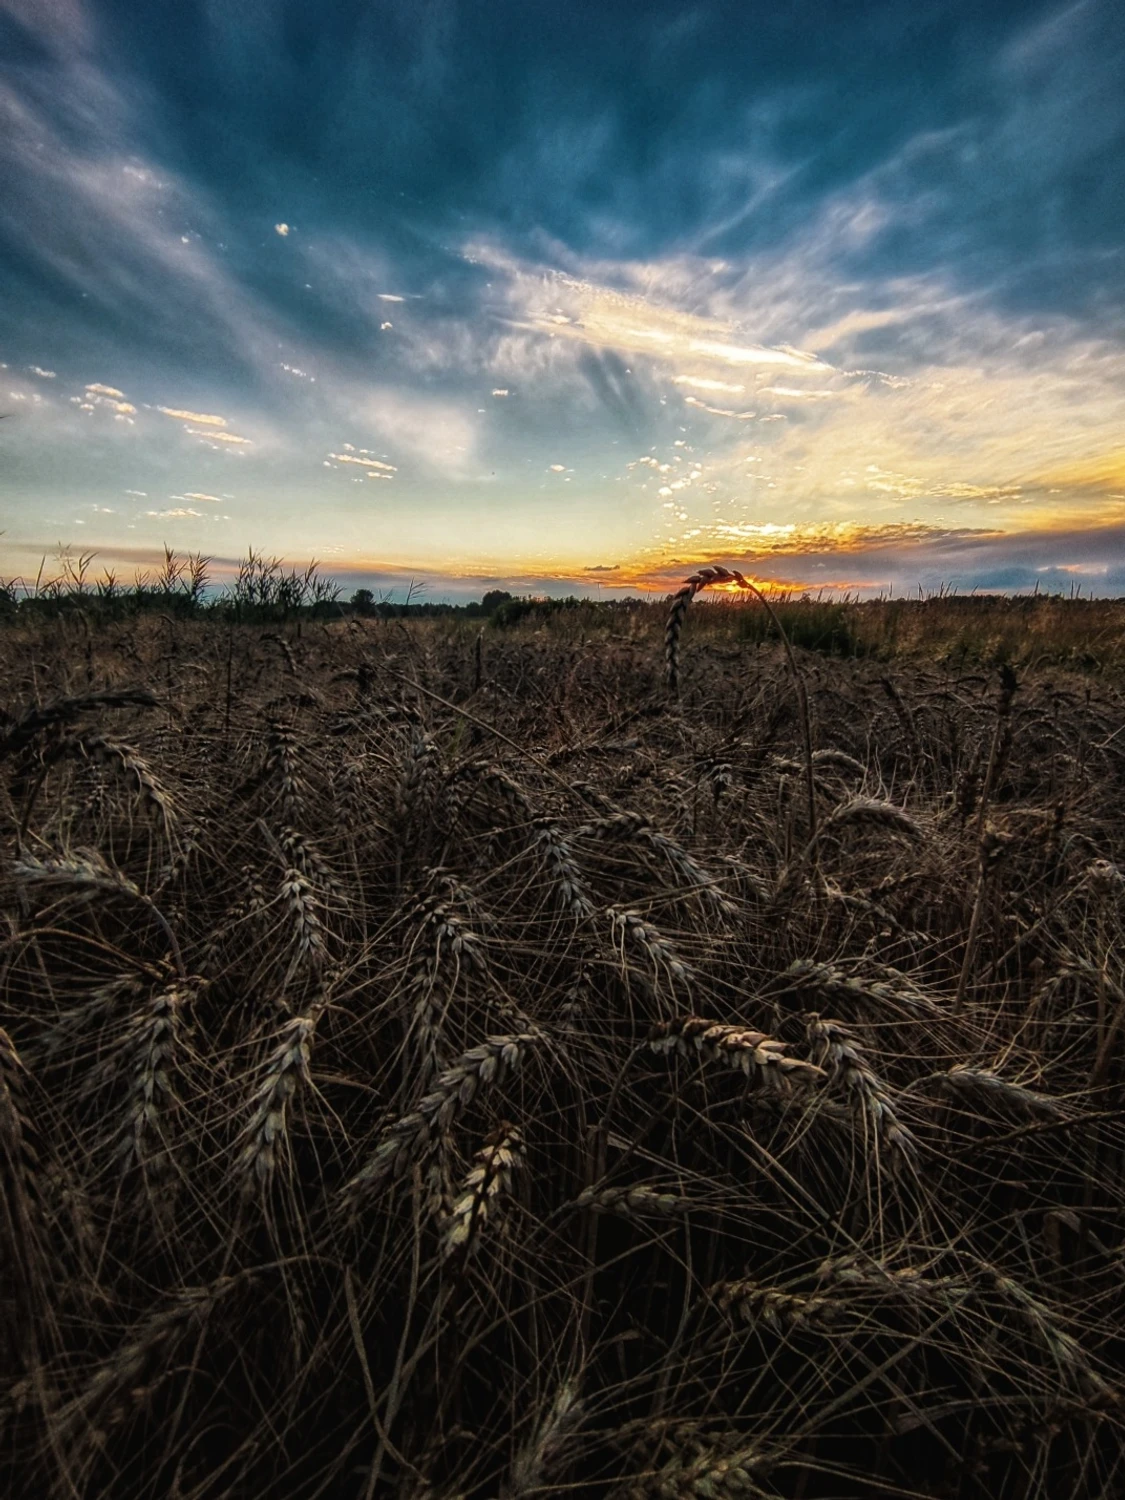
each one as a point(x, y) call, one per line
point(149, 1051)
point(636, 1202)
point(33, 721)
point(285, 1071)
point(777, 1309)
point(752, 1053)
point(541, 1451)
point(409, 1138)
point(283, 766)
point(489, 1179)
point(156, 1338)
point(554, 850)
point(987, 1086)
point(134, 770)
point(626, 828)
point(842, 1055)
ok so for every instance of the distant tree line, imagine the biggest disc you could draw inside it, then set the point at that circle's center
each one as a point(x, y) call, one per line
point(263, 591)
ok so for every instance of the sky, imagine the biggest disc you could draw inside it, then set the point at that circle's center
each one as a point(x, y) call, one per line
point(567, 297)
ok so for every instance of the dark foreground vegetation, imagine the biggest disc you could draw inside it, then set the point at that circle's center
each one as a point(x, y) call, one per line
point(439, 1062)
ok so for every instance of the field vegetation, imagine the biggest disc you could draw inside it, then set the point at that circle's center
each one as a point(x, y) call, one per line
point(597, 1051)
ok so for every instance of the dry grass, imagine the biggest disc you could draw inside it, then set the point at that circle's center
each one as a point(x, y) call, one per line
point(437, 1068)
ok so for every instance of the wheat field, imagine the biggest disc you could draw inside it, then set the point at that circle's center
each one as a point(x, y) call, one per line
point(446, 1062)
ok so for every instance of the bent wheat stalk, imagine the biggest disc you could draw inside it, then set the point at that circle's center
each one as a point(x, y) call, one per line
point(705, 577)
point(87, 871)
point(410, 1137)
point(752, 1053)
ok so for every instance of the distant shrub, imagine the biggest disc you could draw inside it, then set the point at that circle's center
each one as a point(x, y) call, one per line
point(513, 610)
point(494, 599)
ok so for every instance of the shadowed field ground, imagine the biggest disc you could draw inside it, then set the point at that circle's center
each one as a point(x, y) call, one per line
point(440, 1062)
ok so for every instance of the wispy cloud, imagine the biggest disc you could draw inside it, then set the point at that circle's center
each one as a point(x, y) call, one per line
point(218, 437)
point(363, 462)
point(202, 419)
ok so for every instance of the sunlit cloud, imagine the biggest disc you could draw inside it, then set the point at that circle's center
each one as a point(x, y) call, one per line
point(368, 463)
point(95, 399)
point(720, 411)
point(734, 354)
point(700, 383)
point(202, 419)
point(218, 437)
point(794, 394)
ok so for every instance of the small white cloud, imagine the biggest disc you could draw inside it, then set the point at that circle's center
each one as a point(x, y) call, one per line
point(699, 383)
point(368, 463)
point(122, 408)
point(140, 494)
point(195, 495)
point(756, 354)
point(793, 393)
point(500, 391)
point(281, 229)
point(389, 297)
point(174, 515)
point(204, 419)
point(43, 374)
point(721, 411)
point(557, 468)
point(384, 326)
point(218, 437)
point(105, 390)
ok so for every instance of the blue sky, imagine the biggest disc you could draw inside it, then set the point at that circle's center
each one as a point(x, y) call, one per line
point(567, 296)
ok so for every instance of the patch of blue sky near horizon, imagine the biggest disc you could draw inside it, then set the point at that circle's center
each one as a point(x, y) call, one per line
point(731, 292)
